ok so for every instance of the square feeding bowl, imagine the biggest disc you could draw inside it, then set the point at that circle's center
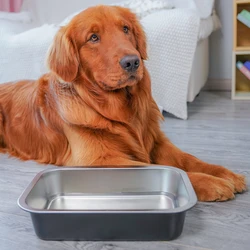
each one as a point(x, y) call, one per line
point(135, 203)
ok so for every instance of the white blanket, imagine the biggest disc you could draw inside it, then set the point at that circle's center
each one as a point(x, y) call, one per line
point(171, 55)
point(172, 37)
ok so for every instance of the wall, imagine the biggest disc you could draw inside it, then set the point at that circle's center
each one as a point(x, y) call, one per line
point(221, 43)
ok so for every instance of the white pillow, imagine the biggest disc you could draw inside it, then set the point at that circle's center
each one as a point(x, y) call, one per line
point(54, 11)
point(22, 17)
point(141, 8)
point(203, 7)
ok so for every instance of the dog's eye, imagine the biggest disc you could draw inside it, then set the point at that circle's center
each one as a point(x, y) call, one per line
point(125, 29)
point(94, 38)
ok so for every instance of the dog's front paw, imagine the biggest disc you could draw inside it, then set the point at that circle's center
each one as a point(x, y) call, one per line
point(211, 188)
point(237, 180)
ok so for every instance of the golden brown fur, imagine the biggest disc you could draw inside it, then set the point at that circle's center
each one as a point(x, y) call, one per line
point(89, 111)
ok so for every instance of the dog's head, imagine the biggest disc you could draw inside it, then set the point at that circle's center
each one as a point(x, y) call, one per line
point(104, 44)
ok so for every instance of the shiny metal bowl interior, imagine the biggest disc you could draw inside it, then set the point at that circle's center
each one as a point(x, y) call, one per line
point(108, 189)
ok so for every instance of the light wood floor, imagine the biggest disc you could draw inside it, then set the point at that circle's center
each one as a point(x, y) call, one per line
point(218, 131)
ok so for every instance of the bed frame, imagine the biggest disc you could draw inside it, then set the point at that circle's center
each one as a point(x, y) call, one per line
point(200, 69)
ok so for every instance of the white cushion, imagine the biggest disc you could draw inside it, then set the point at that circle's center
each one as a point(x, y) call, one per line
point(54, 11)
point(203, 7)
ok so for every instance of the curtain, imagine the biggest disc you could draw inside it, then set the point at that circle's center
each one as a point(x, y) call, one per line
point(10, 5)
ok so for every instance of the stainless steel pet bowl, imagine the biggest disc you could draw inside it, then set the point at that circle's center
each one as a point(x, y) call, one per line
point(137, 203)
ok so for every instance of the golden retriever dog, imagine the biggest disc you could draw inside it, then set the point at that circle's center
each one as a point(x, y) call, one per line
point(95, 107)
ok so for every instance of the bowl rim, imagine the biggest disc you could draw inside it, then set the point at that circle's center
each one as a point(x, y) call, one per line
point(191, 193)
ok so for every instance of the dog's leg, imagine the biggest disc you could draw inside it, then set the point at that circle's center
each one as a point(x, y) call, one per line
point(2, 144)
point(211, 182)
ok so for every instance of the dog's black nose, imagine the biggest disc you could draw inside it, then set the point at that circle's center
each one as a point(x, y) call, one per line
point(130, 63)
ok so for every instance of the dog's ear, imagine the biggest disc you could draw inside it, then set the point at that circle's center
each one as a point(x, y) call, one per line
point(140, 38)
point(63, 58)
